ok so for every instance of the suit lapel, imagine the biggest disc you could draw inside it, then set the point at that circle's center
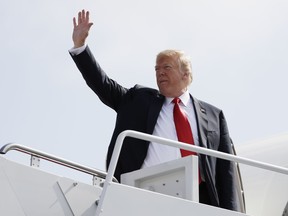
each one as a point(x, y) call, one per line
point(202, 120)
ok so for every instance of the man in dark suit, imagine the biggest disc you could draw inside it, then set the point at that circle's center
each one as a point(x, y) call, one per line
point(150, 111)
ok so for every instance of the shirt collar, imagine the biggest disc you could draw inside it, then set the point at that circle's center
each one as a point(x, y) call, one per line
point(185, 97)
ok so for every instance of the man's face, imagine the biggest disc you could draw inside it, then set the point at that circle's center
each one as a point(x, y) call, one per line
point(171, 81)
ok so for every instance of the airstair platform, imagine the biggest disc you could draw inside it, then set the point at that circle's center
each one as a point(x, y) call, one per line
point(30, 191)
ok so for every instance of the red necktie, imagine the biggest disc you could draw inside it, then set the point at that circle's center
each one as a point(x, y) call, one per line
point(183, 129)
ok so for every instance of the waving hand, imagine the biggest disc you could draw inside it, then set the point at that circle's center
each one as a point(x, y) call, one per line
point(81, 28)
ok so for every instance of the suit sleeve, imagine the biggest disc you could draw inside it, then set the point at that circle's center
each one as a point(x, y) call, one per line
point(108, 90)
point(226, 171)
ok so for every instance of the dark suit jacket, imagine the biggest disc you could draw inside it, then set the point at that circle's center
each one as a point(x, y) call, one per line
point(138, 109)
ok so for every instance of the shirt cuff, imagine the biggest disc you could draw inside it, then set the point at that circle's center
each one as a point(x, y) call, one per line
point(76, 51)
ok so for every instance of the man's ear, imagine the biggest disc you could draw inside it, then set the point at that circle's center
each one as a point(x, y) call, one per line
point(186, 75)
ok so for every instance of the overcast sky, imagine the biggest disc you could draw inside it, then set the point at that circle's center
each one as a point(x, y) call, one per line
point(239, 54)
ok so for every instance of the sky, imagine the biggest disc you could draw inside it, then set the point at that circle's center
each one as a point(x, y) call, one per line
point(239, 54)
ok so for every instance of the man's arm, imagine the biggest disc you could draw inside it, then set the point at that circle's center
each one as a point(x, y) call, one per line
point(226, 171)
point(108, 90)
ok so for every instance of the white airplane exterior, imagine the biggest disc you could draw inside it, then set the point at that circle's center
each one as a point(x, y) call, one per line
point(30, 191)
point(266, 192)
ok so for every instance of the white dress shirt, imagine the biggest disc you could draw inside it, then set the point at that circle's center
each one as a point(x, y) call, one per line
point(158, 153)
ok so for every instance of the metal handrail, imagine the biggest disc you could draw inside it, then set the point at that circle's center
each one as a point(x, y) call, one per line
point(54, 159)
point(201, 150)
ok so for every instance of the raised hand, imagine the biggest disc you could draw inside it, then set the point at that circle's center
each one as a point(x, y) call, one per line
point(81, 29)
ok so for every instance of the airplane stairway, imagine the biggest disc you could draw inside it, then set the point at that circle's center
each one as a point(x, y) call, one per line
point(30, 191)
